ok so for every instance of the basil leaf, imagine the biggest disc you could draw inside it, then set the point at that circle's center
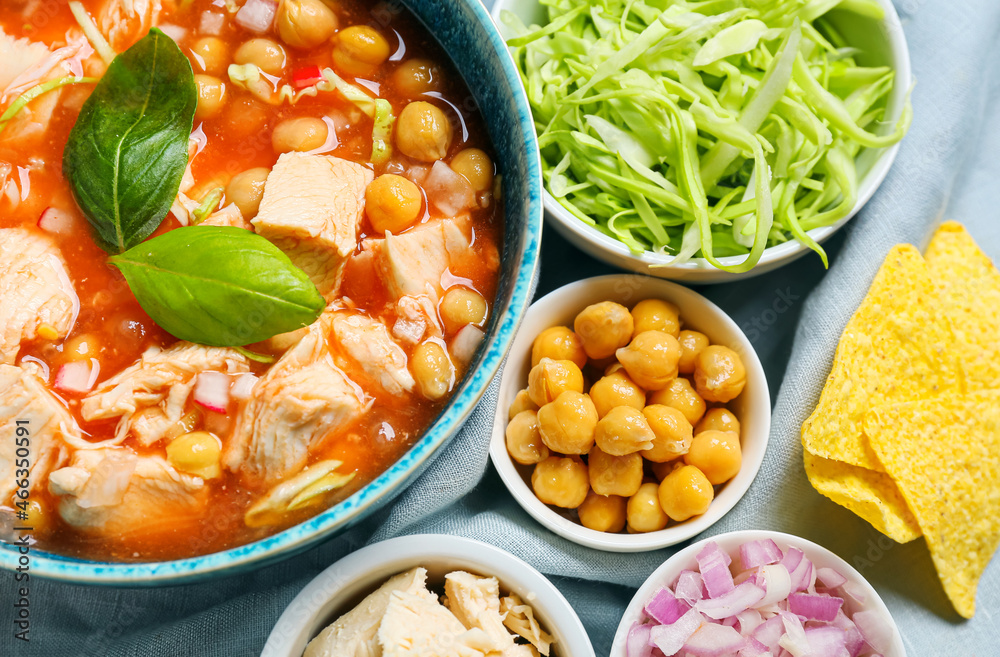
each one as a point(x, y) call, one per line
point(219, 285)
point(127, 153)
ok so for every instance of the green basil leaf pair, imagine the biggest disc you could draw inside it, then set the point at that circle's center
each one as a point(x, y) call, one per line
point(219, 286)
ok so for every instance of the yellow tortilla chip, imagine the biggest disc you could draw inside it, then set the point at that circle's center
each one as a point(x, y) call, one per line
point(895, 348)
point(871, 495)
point(944, 454)
point(970, 286)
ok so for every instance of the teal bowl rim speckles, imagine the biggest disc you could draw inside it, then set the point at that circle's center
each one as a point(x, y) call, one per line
point(465, 29)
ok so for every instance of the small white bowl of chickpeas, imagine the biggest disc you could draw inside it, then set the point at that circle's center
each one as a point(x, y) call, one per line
point(633, 413)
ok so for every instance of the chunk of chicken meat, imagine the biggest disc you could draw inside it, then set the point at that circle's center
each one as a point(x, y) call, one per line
point(227, 216)
point(35, 290)
point(415, 626)
point(366, 343)
point(113, 491)
point(124, 21)
point(301, 400)
point(411, 265)
point(355, 634)
point(312, 209)
point(31, 417)
point(520, 619)
point(476, 602)
point(150, 395)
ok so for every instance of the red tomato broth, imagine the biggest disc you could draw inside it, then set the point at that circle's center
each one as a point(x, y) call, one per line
point(123, 331)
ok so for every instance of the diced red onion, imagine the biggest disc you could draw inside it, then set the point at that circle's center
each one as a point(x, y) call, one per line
point(448, 191)
point(690, 587)
point(637, 643)
point(749, 619)
point(759, 553)
point(211, 23)
point(465, 344)
point(853, 639)
point(814, 607)
point(212, 391)
point(770, 632)
point(664, 607)
point(777, 583)
point(54, 220)
point(175, 32)
point(714, 566)
point(856, 592)
point(876, 633)
point(794, 640)
point(243, 386)
point(830, 578)
point(754, 648)
point(713, 640)
point(712, 550)
point(669, 639)
point(78, 376)
point(803, 575)
point(739, 599)
point(826, 641)
point(792, 558)
point(257, 15)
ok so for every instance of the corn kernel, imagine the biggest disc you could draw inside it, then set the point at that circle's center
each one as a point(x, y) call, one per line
point(47, 332)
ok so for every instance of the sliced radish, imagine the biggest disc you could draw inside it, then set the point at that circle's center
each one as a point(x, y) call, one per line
point(175, 32)
point(448, 191)
point(56, 221)
point(77, 377)
point(211, 23)
point(212, 391)
point(257, 15)
point(465, 343)
point(307, 76)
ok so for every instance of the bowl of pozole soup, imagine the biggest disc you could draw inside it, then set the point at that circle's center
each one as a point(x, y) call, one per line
point(257, 264)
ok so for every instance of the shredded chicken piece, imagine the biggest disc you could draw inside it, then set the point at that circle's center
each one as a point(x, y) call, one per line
point(476, 602)
point(520, 619)
point(124, 22)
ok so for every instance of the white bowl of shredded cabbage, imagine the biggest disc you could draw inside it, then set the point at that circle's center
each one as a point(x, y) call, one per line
point(660, 130)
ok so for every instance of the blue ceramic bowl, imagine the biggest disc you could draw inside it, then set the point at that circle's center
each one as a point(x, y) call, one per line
point(465, 30)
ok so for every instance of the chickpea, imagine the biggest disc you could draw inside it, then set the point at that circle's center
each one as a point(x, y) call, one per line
point(476, 167)
point(265, 54)
point(462, 306)
point(680, 395)
point(656, 315)
point(614, 475)
point(211, 96)
point(567, 424)
point(423, 132)
point(360, 50)
point(616, 389)
point(524, 443)
point(719, 374)
point(603, 328)
point(717, 454)
point(550, 378)
point(433, 370)
point(246, 189)
point(614, 367)
point(196, 453)
point(302, 134)
point(305, 23)
point(558, 343)
point(644, 511)
point(82, 347)
point(522, 402)
point(211, 55)
point(417, 76)
point(39, 517)
point(651, 359)
point(602, 513)
point(685, 492)
point(245, 117)
point(623, 430)
point(561, 481)
point(393, 203)
point(661, 470)
point(718, 419)
point(672, 433)
point(692, 343)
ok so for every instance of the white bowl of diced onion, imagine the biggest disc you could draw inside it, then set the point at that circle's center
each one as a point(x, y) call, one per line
point(752, 407)
point(816, 584)
point(339, 588)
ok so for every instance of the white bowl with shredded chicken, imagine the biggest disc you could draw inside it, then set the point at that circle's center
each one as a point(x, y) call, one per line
point(340, 588)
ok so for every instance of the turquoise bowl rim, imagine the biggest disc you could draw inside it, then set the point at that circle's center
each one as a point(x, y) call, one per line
point(380, 490)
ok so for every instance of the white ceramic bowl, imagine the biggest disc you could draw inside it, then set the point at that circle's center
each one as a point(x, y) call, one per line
point(752, 407)
point(883, 43)
point(729, 543)
point(337, 589)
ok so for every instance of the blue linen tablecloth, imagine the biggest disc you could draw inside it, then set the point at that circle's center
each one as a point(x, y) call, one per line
point(947, 167)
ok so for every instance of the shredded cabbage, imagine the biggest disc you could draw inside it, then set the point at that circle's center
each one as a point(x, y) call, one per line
point(34, 92)
point(703, 129)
